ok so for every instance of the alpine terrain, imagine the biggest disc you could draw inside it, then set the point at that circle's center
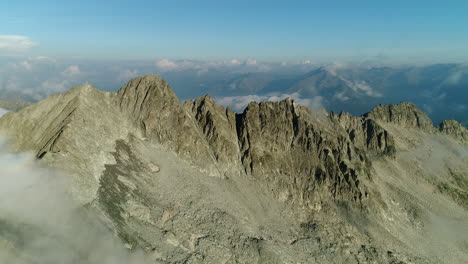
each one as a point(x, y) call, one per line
point(195, 182)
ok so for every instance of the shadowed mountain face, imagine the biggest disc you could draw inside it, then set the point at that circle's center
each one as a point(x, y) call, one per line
point(276, 183)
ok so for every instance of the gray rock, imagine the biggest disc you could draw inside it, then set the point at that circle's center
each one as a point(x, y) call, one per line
point(455, 129)
point(404, 114)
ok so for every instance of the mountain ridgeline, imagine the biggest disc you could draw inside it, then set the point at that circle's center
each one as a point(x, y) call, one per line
point(195, 182)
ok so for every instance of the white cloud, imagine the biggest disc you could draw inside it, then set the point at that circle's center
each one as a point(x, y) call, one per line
point(250, 65)
point(126, 75)
point(356, 86)
point(341, 96)
point(239, 103)
point(166, 65)
point(33, 62)
point(334, 67)
point(53, 86)
point(15, 43)
point(71, 71)
point(58, 229)
point(37, 77)
point(364, 87)
point(251, 62)
point(3, 112)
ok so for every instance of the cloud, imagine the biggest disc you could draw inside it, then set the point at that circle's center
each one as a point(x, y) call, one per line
point(362, 86)
point(239, 103)
point(341, 96)
point(35, 78)
point(202, 71)
point(40, 223)
point(33, 62)
point(166, 65)
point(454, 78)
point(357, 86)
point(201, 67)
point(234, 62)
point(15, 43)
point(53, 86)
point(71, 71)
point(3, 112)
point(336, 66)
point(251, 62)
point(125, 75)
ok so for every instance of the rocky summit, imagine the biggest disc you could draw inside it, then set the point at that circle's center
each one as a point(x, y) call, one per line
point(195, 182)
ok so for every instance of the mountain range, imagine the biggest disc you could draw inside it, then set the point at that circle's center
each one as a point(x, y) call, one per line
point(278, 182)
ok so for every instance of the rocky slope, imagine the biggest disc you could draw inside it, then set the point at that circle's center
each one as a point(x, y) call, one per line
point(277, 183)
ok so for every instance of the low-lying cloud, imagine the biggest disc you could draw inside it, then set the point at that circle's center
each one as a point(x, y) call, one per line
point(3, 112)
point(167, 65)
point(41, 224)
point(239, 103)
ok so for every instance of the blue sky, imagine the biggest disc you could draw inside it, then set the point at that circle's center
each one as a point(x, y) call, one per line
point(432, 31)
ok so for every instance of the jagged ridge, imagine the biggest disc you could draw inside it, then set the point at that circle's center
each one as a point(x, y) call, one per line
point(110, 142)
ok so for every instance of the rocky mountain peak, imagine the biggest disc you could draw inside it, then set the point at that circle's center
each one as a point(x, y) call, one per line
point(153, 107)
point(404, 114)
point(140, 94)
point(455, 129)
point(82, 89)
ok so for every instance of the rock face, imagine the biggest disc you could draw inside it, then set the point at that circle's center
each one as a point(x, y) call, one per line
point(366, 133)
point(455, 129)
point(285, 145)
point(403, 114)
point(218, 126)
point(270, 141)
point(154, 108)
point(277, 183)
